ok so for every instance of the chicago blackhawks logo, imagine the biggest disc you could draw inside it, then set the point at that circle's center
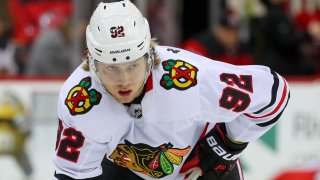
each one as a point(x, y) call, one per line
point(155, 162)
point(80, 99)
point(182, 75)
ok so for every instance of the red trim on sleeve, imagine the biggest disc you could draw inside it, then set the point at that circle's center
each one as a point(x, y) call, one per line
point(283, 97)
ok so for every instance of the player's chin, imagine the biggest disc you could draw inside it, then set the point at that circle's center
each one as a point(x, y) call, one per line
point(125, 100)
point(127, 97)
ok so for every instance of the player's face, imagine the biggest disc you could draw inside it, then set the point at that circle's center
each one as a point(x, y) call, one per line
point(123, 81)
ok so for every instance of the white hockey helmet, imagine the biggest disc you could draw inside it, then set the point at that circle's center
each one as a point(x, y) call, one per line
point(117, 33)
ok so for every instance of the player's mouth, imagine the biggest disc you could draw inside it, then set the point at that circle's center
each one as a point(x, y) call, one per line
point(126, 93)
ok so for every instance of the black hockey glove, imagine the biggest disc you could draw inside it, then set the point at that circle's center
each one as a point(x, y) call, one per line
point(215, 154)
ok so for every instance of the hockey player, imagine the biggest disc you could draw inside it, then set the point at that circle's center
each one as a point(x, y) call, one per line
point(137, 110)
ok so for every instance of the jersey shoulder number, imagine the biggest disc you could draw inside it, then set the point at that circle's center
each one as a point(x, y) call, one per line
point(236, 99)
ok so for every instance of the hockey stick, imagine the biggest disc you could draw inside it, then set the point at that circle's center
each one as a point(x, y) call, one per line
point(195, 173)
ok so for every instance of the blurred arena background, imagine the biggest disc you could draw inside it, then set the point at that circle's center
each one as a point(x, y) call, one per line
point(41, 43)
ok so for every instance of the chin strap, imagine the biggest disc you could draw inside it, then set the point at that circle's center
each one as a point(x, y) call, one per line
point(150, 61)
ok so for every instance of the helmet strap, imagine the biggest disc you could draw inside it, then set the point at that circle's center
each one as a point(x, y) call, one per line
point(150, 63)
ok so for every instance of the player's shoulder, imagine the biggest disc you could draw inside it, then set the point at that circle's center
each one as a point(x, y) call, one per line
point(202, 62)
point(211, 69)
point(82, 103)
point(80, 81)
point(184, 80)
point(175, 86)
point(170, 52)
point(75, 93)
point(220, 86)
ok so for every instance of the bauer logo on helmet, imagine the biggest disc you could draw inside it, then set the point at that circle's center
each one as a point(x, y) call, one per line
point(119, 51)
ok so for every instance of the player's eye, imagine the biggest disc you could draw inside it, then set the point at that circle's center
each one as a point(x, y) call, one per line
point(133, 66)
point(113, 68)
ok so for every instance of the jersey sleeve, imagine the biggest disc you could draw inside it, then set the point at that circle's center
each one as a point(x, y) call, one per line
point(76, 155)
point(248, 99)
point(267, 106)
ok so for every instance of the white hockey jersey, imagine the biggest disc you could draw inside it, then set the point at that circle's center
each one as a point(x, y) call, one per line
point(184, 93)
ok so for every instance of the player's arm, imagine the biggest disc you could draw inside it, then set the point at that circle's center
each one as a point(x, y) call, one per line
point(77, 156)
point(269, 99)
point(256, 99)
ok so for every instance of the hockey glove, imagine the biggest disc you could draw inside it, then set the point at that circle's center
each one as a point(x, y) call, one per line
point(215, 154)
